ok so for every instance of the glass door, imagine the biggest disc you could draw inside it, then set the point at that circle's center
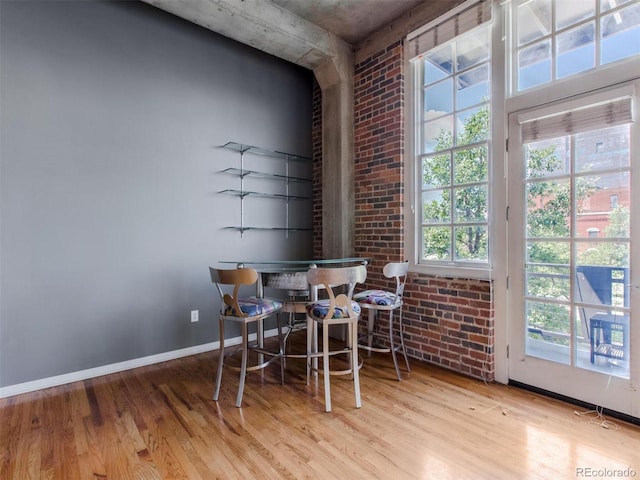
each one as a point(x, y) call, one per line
point(570, 247)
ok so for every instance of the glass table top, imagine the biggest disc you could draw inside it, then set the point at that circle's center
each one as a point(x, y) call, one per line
point(296, 265)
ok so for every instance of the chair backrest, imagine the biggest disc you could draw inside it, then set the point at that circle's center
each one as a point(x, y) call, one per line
point(586, 294)
point(330, 278)
point(399, 271)
point(236, 278)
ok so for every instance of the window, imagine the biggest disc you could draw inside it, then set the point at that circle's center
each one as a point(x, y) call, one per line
point(556, 40)
point(613, 202)
point(452, 76)
point(524, 53)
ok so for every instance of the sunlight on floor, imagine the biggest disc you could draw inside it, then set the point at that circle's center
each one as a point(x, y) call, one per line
point(435, 467)
point(566, 458)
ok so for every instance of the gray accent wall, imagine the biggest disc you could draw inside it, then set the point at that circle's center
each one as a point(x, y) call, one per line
point(111, 119)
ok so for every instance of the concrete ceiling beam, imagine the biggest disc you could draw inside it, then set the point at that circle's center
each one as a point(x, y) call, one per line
point(262, 25)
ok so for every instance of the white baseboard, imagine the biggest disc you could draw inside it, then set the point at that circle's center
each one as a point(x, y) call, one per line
point(34, 385)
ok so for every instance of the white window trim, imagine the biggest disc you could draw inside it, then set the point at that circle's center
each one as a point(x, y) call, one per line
point(625, 71)
point(615, 69)
point(605, 77)
point(583, 84)
point(497, 201)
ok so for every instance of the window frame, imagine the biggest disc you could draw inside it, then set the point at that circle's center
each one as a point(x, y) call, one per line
point(413, 223)
point(509, 18)
point(501, 106)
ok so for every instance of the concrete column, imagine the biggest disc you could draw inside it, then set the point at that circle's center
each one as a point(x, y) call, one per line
point(335, 78)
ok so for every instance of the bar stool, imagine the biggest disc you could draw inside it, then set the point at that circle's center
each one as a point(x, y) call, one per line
point(381, 300)
point(335, 310)
point(244, 311)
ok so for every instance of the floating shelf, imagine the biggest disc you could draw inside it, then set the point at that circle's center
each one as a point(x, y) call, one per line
point(242, 148)
point(246, 193)
point(252, 173)
point(242, 173)
point(279, 229)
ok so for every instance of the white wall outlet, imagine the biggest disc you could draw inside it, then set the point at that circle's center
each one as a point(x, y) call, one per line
point(195, 315)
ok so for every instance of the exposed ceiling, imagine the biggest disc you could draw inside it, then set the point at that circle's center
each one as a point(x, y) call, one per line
point(321, 35)
point(351, 20)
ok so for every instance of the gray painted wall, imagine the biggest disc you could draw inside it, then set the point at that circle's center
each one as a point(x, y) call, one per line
point(111, 118)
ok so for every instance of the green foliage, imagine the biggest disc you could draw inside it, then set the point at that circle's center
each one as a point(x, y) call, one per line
point(548, 216)
point(548, 211)
point(609, 253)
point(476, 128)
point(459, 175)
point(460, 168)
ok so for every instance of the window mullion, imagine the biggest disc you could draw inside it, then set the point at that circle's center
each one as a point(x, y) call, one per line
point(598, 43)
point(454, 144)
point(554, 39)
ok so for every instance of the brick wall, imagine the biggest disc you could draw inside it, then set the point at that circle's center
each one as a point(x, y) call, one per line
point(448, 321)
point(379, 142)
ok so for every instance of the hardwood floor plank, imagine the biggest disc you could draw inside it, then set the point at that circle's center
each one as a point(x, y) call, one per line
point(89, 457)
point(160, 422)
point(10, 419)
point(27, 452)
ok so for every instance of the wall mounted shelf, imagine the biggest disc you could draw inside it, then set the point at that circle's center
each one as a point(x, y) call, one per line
point(243, 193)
point(278, 229)
point(246, 193)
point(242, 148)
point(252, 173)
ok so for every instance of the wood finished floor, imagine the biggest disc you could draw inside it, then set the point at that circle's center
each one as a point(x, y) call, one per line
point(159, 422)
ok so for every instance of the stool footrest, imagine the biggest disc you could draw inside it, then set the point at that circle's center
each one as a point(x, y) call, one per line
point(259, 366)
point(347, 371)
point(375, 349)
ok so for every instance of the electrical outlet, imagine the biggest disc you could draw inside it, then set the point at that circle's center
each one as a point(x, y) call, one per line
point(194, 315)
